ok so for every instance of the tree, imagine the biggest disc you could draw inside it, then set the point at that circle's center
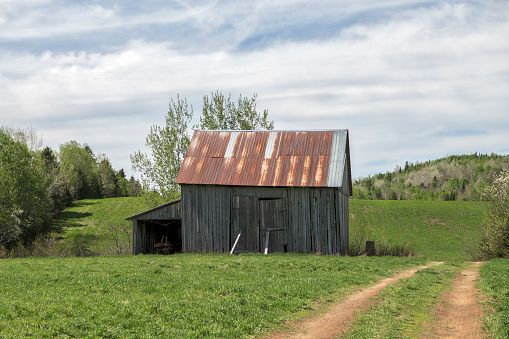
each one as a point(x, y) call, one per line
point(495, 242)
point(107, 178)
point(27, 136)
point(122, 185)
point(23, 190)
point(58, 193)
point(220, 113)
point(79, 170)
point(134, 187)
point(168, 144)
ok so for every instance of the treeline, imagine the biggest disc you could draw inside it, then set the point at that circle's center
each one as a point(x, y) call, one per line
point(37, 183)
point(456, 177)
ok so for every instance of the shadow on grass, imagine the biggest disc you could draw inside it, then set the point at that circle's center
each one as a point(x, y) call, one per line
point(72, 217)
point(69, 219)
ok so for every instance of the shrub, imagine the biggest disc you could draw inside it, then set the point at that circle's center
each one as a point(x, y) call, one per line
point(495, 243)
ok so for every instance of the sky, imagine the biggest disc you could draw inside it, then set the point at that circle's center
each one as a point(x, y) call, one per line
point(410, 80)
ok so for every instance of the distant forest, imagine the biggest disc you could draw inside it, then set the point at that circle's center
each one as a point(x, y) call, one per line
point(455, 177)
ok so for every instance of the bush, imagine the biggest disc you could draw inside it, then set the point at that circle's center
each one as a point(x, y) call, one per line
point(495, 243)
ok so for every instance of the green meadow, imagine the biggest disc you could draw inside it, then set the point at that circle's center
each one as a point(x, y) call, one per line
point(437, 230)
point(247, 295)
point(178, 296)
point(495, 284)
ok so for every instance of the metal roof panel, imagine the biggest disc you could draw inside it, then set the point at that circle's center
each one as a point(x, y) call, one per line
point(337, 159)
point(266, 158)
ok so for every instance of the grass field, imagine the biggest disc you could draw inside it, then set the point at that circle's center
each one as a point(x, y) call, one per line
point(184, 295)
point(495, 284)
point(215, 295)
point(438, 230)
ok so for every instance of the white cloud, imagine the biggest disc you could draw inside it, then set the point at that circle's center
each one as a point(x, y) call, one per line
point(421, 81)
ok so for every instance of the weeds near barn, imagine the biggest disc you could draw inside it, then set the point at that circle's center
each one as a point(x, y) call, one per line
point(186, 295)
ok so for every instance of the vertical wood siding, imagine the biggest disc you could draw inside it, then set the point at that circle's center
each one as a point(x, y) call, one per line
point(316, 219)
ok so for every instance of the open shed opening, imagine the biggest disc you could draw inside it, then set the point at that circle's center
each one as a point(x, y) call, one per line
point(159, 236)
point(166, 236)
point(158, 230)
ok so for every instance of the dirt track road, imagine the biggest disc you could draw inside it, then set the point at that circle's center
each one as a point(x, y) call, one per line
point(459, 316)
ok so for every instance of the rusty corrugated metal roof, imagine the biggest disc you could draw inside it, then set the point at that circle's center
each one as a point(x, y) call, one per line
point(267, 158)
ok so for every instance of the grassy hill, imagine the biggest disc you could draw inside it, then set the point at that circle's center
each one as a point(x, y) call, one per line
point(438, 230)
point(97, 225)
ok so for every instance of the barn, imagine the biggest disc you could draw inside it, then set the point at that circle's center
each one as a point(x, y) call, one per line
point(256, 191)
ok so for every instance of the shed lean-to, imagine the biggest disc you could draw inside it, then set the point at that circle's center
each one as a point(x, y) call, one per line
point(290, 186)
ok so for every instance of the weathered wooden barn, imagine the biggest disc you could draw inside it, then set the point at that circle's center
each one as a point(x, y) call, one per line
point(162, 224)
point(282, 191)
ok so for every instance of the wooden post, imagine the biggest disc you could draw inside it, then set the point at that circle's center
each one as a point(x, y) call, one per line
point(370, 248)
point(237, 240)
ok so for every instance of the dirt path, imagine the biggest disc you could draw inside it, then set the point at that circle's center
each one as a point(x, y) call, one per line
point(335, 320)
point(460, 314)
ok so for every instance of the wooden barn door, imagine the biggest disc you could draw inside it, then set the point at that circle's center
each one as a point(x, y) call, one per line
point(273, 221)
point(245, 217)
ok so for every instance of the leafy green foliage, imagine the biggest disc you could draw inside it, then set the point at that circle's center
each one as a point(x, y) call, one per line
point(23, 191)
point(37, 184)
point(79, 169)
point(220, 113)
point(179, 296)
point(456, 177)
point(403, 309)
point(168, 146)
point(495, 284)
point(107, 179)
point(496, 239)
point(438, 230)
point(80, 174)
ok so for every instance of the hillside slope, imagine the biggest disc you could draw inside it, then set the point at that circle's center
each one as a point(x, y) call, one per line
point(98, 224)
point(438, 230)
point(456, 177)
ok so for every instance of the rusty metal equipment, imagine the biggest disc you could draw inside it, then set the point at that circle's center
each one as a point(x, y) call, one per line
point(163, 247)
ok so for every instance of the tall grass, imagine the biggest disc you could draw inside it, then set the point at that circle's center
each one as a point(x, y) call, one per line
point(91, 227)
point(53, 245)
point(358, 245)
